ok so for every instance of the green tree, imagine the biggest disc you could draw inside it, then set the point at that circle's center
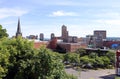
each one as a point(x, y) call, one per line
point(93, 55)
point(51, 67)
point(4, 59)
point(111, 56)
point(81, 51)
point(3, 32)
point(72, 58)
point(21, 52)
point(19, 60)
point(4, 62)
point(87, 62)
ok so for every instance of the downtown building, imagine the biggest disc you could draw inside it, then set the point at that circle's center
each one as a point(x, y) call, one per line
point(65, 42)
point(97, 39)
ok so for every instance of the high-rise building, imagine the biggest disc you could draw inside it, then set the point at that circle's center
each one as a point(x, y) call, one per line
point(100, 33)
point(65, 33)
point(100, 36)
point(52, 36)
point(18, 33)
point(41, 36)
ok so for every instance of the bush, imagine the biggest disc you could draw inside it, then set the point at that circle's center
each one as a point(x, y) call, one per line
point(111, 56)
point(86, 62)
point(81, 51)
point(93, 55)
point(96, 62)
point(72, 58)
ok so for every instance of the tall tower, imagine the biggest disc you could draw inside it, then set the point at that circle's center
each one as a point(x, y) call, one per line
point(52, 36)
point(64, 33)
point(18, 33)
point(41, 36)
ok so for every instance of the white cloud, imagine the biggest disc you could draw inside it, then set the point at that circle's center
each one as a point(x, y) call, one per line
point(7, 12)
point(63, 13)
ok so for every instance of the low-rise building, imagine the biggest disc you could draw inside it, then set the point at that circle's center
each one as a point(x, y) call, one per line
point(70, 47)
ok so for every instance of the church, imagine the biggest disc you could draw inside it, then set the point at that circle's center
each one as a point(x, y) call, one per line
point(18, 33)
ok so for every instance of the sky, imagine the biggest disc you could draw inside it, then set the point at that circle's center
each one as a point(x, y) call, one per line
point(81, 17)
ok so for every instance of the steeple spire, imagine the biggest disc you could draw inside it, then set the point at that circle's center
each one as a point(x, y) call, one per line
point(18, 33)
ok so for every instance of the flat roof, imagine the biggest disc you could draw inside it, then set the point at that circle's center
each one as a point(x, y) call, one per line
point(95, 49)
point(70, 43)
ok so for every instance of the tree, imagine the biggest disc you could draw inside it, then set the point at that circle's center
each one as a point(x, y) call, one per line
point(21, 52)
point(19, 60)
point(51, 67)
point(3, 32)
point(4, 59)
point(86, 62)
point(81, 51)
point(72, 58)
point(111, 56)
point(4, 62)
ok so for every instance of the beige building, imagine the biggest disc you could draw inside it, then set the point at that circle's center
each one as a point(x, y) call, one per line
point(65, 36)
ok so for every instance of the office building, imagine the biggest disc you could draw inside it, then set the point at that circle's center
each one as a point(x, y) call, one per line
point(41, 36)
point(52, 36)
point(100, 36)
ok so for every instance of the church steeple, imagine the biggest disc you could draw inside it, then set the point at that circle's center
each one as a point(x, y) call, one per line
point(18, 33)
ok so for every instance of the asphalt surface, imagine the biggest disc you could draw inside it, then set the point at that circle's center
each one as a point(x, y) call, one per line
point(92, 74)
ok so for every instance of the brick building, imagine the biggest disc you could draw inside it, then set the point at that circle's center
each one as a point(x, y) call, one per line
point(38, 44)
point(112, 44)
point(70, 47)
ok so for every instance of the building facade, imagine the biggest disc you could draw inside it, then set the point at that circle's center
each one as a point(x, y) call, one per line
point(70, 47)
point(100, 36)
point(52, 36)
point(65, 34)
point(41, 36)
point(32, 37)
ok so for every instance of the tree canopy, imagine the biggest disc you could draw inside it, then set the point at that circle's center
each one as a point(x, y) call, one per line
point(3, 32)
point(19, 60)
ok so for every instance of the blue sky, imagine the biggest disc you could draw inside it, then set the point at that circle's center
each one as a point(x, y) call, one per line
point(81, 17)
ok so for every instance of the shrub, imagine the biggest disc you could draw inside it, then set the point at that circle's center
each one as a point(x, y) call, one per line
point(111, 56)
point(72, 58)
point(81, 51)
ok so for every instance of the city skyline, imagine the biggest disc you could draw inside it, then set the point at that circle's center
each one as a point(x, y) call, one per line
point(80, 17)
